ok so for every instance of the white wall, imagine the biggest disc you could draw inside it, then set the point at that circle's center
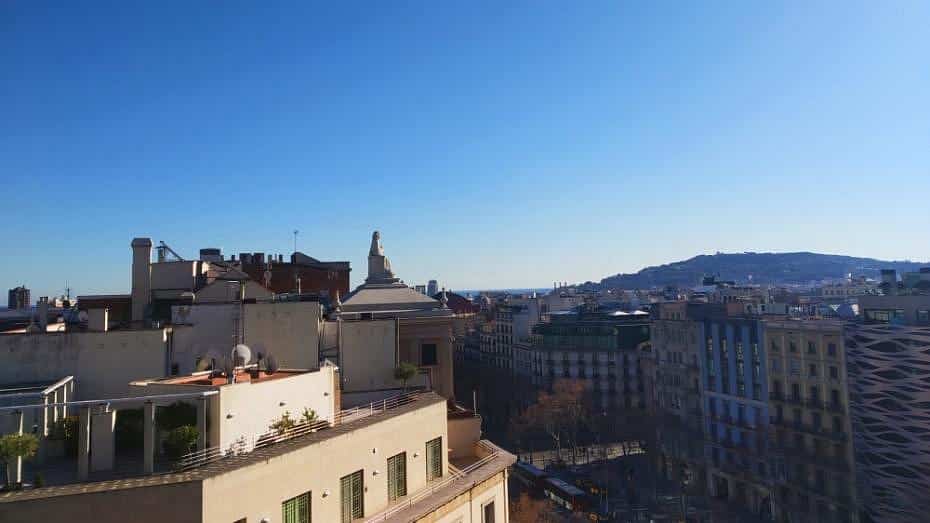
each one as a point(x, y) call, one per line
point(257, 491)
point(255, 406)
point(176, 275)
point(472, 512)
point(289, 330)
point(222, 291)
point(212, 328)
point(367, 355)
point(102, 363)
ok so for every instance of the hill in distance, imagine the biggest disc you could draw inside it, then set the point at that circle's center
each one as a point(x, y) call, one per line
point(763, 267)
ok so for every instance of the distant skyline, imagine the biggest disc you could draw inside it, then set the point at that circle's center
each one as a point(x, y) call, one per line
point(494, 146)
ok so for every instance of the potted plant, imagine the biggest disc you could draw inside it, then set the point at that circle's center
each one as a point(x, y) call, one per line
point(13, 447)
point(309, 417)
point(283, 425)
point(405, 372)
point(181, 440)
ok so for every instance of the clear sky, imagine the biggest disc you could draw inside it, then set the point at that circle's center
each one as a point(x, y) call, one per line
point(493, 145)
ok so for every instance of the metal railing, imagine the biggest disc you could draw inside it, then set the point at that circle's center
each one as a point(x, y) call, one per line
point(247, 444)
point(493, 452)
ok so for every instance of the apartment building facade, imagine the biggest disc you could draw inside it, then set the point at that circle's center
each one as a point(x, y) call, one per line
point(889, 366)
point(603, 349)
point(810, 422)
point(773, 399)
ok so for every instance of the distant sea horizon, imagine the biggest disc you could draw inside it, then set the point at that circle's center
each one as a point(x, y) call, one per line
point(476, 292)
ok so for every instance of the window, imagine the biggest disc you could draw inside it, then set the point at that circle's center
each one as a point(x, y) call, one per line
point(831, 349)
point(352, 499)
point(834, 374)
point(428, 354)
point(487, 513)
point(397, 476)
point(812, 370)
point(792, 346)
point(434, 459)
point(296, 510)
point(923, 316)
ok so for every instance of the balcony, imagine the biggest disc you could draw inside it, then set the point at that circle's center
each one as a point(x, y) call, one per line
point(480, 463)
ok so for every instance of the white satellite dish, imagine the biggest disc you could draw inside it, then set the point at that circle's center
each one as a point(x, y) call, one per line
point(241, 353)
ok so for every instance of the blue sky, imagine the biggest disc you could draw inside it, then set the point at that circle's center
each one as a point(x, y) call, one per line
point(493, 145)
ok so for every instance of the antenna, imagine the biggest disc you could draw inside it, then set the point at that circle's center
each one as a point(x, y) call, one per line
point(296, 232)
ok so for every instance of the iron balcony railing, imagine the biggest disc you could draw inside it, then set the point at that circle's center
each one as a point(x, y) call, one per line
point(247, 444)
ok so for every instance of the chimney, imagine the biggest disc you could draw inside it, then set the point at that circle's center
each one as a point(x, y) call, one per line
point(98, 320)
point(42, 311)
point(141, 277)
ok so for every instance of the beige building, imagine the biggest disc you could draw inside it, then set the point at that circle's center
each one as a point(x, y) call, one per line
point(410, 460)
point(383, 323)
point(809, 410)
point(241, 412)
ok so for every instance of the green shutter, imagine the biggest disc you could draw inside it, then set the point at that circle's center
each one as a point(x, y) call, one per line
point(352, 501)
point(296, 510)
point(397, 476)
point(434, 459)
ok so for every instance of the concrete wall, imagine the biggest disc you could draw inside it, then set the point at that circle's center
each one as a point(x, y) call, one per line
point(176, 275)
point(255, 406)
point(247, 409)
point(289, 330)
point(103, 363)
point(257, 491)
point(222, 291)
point(212, 331)
point(178, 502)
point(463, 433)
point(367, 355)
point(414, 334)
point(469, 506)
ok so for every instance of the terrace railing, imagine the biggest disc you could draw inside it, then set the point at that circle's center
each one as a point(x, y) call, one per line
point(247, 444)
point(455, 475)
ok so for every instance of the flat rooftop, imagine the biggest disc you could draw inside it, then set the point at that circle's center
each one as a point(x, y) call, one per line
point(227, 464)
point(208, 379)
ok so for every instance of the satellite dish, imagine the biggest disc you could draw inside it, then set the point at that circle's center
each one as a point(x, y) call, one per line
point(241, 353)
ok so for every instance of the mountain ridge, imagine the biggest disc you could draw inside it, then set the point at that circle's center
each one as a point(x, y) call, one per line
point(764, 268)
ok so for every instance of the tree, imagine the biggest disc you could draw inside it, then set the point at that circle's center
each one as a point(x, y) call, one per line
point(181, 440)
point(178, 414)
point(13, 447)
point(405, 372)
point(560, 414)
